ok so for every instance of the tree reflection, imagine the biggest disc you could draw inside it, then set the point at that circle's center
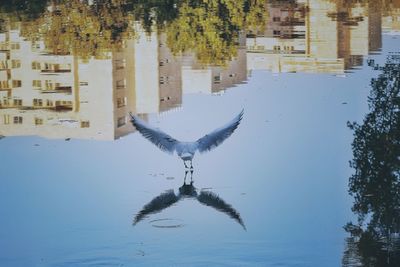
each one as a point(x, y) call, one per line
point(74, 27)
point(211, 28)
point(375, 185)
point(22, 9)
point(207, 28)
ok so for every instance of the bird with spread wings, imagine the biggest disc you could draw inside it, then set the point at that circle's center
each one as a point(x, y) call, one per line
point(186, 150)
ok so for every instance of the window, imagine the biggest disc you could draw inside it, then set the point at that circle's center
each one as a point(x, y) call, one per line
point(85, 124)
point(165, 98)
point(49, 85)
point(38, 121)
point(121, 102)
point(17, 120)
point(276, 19)
point(120, 64)
point(37, 83)
point(121, 121)
point(6, 102)
point(121, 84)
point(6, 119)
point(217, 79)
point(48, 66)
point(15, 46)
point(63, 103)
point(17, 102)
point(288, 48)
point(3, 64)
point(16, 83)
point(277, 48)
point(164, 79)
point(35, 46)
point(83, 83)
point(37, 102)
point(36, 65)
point(277, 32)
point(4, 85)
point(16, 63)
point(49, 103)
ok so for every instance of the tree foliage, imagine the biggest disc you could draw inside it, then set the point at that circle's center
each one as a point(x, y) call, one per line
point(211, 28)
point(208, 28)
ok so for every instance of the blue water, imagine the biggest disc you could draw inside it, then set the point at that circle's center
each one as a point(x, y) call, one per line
point(285, 171)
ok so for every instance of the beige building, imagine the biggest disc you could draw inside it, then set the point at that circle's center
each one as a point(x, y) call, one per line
point(315, 36)
point(64, 97)
point(158, 82)
point(197, 78)
point(391, 18)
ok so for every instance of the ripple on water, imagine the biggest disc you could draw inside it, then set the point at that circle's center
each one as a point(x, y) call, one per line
point(167, 223)
point(95, 261)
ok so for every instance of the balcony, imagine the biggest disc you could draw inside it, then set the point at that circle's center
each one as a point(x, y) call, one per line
point(51, 68)
point(63, 106)
point(51, 71)
point(58, 90)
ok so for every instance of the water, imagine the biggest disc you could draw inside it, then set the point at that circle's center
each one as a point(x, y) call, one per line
point(76, 176)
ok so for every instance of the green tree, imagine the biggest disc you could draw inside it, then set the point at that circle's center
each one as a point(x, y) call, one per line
point(210, 28)
point(375, 184)
point(23, 9)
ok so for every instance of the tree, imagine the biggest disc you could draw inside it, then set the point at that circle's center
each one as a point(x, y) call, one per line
point(375, 184)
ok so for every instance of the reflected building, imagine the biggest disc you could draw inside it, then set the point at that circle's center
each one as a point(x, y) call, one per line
point(315, 36)
point(391, 18)
point(63, 96)
point(197, 78)
point(158, 82)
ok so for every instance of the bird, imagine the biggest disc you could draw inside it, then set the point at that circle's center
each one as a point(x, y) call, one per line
point(186, 150)
point(187, 190)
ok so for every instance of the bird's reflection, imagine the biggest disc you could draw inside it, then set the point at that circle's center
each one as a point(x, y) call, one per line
point(187, 190)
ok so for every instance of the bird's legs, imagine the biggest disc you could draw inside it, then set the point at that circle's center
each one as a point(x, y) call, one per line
point(191, 177)
point(184, 180)
point(186, 166)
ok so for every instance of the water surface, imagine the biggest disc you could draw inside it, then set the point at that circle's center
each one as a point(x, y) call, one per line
point(76, 175)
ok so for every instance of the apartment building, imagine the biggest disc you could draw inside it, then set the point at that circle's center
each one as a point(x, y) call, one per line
point(315, 36)
point(197, 78)
point(61, 96)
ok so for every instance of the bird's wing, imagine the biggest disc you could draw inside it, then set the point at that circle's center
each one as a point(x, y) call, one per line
point(213, 200)
point(162, 140)
point(216, 137)
point(158, 204)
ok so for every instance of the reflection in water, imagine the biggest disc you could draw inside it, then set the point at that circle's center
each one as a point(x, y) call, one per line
point(186, 150)
point(375, 185)
point(316, 36)
point(169, 198)
point(73, 69)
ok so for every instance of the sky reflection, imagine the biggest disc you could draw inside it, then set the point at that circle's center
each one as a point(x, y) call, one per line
point(298, 68)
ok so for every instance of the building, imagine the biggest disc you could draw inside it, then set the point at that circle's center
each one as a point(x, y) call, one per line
point(63, 96)
point(197, 78)
point(315, 36)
